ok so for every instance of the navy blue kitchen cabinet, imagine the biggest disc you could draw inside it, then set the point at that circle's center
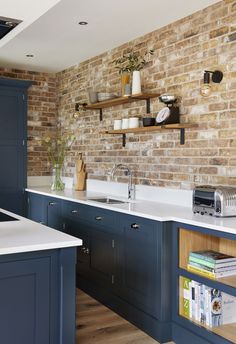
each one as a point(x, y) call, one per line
point(37, 297)
point(37, 210)
point(75, 215)
point(13, 144)
point(187, 238)
point(125, 263)
point(46, 210)
point(54, 213)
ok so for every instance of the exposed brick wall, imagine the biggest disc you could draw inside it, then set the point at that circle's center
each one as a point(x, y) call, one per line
point(42, 115)
point(182, 51)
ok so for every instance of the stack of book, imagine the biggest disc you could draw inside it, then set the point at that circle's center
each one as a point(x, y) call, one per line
point(206, 305)
point(212, 264)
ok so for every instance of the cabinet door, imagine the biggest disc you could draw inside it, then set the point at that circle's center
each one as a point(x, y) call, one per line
point(37, 208)
point(25, 300)
point(102, 256)
point(54, 213)
point(74, 215)
point(139, 260)
point(12, 147)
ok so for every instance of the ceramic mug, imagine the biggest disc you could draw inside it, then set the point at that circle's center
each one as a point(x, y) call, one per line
point(133, 122)
point(125, 123)
point(117, 124)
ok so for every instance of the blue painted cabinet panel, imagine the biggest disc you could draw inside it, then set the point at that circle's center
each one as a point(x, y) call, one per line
point(13, 111)
point(24, 300)
point(139, 259)
point(37, 297)
point(37, 208)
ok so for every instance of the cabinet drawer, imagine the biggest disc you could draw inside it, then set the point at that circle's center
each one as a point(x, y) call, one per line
point(75, 211)
point(103, 218)
point(136, 223)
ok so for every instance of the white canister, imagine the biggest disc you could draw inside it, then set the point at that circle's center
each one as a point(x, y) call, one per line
point(136, 82)
point(133, 122)
point(125, 123)
point(117, 124)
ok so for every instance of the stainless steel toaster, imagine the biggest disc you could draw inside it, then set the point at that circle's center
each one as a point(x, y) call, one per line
point(214, 200)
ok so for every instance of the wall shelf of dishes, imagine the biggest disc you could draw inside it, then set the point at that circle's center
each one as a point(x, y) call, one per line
point(120, 101)
point(178, 126)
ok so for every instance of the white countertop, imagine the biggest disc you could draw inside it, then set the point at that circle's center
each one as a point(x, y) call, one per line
point(150, 210)
point(27, 236)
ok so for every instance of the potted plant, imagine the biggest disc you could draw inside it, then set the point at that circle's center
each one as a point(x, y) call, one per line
point(133, 62)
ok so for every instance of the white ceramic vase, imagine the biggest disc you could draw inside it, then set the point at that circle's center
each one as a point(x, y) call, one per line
point(136, 82)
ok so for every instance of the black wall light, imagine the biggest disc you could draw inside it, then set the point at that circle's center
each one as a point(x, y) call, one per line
point(79, 107)
point(216, 77)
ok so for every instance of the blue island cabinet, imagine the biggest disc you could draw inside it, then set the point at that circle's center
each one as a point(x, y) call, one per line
point(37, 297)
point(188, 325)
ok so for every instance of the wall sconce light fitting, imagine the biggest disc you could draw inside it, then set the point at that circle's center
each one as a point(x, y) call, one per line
point(217, 77)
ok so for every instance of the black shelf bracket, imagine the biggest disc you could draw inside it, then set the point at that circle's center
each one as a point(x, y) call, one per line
point(182, 136)
point(123, 140)
point(100, 114)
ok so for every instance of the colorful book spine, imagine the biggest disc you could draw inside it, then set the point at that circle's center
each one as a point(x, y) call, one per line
point(201, 272)
point(211, 265)
point(186, 297)
point(209, 274)
point(214, 270)
point(216, 257)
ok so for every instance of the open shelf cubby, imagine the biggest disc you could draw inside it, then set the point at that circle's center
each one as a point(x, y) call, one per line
point(227, 331)
point(196, 241)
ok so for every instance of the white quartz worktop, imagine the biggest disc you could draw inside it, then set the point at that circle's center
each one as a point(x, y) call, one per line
point(27, 236)
point(144, 208)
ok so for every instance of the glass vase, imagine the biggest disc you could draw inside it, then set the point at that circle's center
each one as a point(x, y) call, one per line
point(57, 183)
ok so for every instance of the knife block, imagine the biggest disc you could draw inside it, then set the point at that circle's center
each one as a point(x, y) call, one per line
point(80, 175)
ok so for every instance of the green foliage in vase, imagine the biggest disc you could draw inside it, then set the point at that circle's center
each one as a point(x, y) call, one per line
point(56, 145)
point(132, 61)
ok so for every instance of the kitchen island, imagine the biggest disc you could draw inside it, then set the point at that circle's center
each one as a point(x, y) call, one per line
point(37, 289)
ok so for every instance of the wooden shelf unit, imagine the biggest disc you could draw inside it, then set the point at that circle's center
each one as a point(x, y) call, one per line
point(177, 126)
point(227, 331)
point(195, 241)
point(122, 100)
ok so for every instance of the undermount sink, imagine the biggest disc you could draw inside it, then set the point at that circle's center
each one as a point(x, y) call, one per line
point(107, 200)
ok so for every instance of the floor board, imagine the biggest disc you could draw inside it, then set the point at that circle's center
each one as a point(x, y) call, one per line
point(96, 324)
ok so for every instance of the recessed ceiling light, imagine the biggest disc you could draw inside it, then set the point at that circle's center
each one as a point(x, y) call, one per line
point(83, 23)
point(29, 55)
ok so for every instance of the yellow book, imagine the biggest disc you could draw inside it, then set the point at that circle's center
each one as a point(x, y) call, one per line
point(201, 272)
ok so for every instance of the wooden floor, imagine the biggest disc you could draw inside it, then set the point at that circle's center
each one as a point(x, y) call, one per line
point(96, 324)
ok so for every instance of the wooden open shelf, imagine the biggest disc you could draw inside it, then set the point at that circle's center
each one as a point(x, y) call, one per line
point(195, 241)
point(122, 100)
point(227, 331)
point(178, 126)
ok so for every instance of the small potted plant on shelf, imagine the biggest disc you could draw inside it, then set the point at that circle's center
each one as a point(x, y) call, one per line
point(132, 63)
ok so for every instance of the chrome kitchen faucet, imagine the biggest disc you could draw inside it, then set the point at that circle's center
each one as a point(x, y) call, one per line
point(127, 173)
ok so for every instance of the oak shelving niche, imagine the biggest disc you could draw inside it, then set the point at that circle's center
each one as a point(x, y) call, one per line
point(193, 241)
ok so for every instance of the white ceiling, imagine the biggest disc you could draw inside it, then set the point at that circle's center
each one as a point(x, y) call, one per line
point(51, 32)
